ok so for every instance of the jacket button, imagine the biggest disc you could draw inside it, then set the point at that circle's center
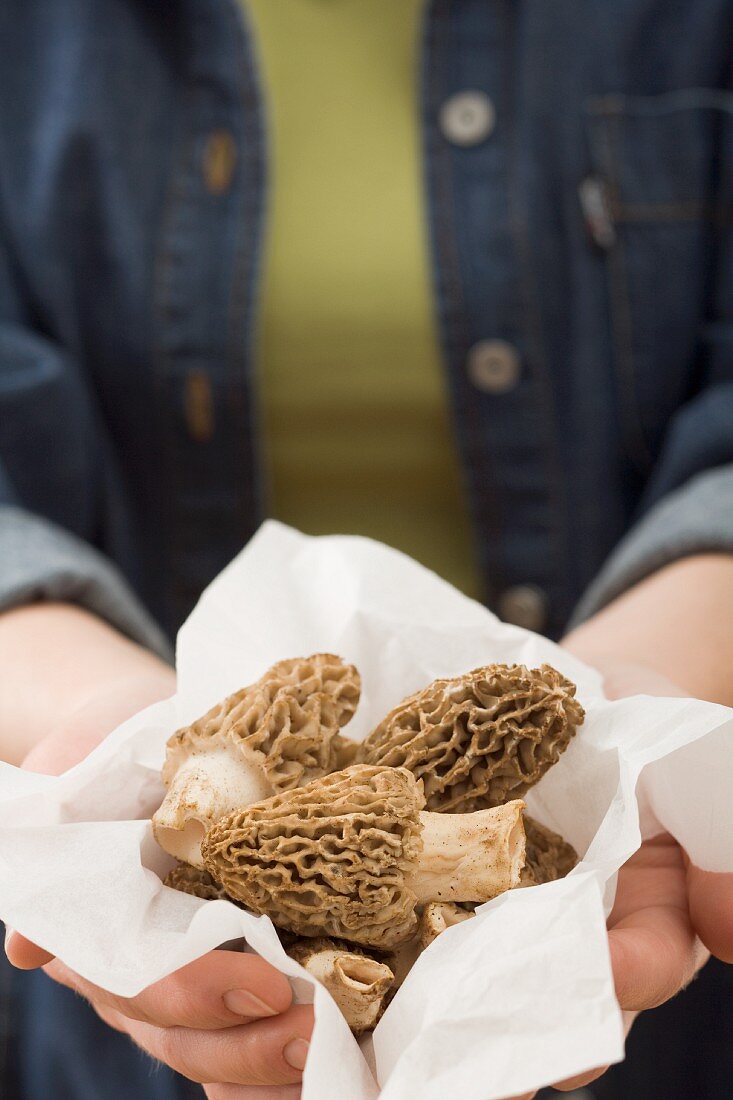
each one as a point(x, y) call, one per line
point(467, 118)
point(523, 605)
point(219, 161)
point(493, 366)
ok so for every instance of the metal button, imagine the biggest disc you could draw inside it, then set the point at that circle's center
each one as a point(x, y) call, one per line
point(219, 161)
point(524, 605)
point(467, 118)
point(494, 366)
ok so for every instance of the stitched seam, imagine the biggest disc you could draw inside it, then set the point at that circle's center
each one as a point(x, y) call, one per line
point(164, 266)
point(660, 211)
point(558, 504)
point(680, 99)
point(485, 510)
point(692, 210)
point(242, 309)
point(606, 140)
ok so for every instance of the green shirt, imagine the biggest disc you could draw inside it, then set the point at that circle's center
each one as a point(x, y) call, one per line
point(355, 410)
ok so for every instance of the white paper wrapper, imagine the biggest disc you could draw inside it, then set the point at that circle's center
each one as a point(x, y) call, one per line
point(510, 1001)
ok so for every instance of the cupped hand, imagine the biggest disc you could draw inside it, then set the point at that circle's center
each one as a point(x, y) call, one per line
point(668, 916)
point(227, 1019)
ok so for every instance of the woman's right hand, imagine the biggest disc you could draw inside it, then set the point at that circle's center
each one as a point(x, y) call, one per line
point(227, 1019)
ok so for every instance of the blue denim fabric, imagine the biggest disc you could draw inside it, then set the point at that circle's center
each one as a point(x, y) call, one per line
point(54, 1047)
point(591, 230)
point(625, 335)
point(127, 284)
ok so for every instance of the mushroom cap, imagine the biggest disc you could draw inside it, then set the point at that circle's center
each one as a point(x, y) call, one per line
point(480, 739)
point(548, 857)
point(330, 858)
point(287, 722)
point(345, 752)
point(357, 982)
point(192, 880)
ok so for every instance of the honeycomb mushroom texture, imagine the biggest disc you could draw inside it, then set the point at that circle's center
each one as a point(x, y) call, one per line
point(549, 857)
point(192, 880)
point(328, 859)
point(289, 719)
point(478, 740)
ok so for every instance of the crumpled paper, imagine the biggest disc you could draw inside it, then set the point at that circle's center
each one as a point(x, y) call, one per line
point(516, 998)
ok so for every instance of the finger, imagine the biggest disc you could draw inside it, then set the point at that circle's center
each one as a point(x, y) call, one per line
point(218, 1092)
point(221, 989)
point(24, 954)
point(113, 1019)
point(711, 909)
point(579, 1081)
point(628, 1020)
point(654, 956)
point(266, 1052)
point(252, 1092)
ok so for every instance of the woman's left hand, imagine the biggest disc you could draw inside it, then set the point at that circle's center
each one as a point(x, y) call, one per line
point(668, 917)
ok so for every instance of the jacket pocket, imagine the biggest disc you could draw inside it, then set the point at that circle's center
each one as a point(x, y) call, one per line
point(656, 202)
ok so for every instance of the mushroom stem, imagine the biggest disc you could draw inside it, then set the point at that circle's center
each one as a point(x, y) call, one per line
point(470, 857)
point(205, 787)
point(436, 917)
point(356, 982)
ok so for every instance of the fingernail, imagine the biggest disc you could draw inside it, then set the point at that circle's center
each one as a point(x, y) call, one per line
point(245, 1003)
point(295, 1053)
point(9, 933)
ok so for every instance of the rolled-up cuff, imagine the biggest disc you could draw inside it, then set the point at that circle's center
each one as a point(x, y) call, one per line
point(40, 561)
point(695, 519)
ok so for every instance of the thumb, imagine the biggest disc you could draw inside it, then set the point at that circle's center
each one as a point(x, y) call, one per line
point(22, 953)
point(710, 896)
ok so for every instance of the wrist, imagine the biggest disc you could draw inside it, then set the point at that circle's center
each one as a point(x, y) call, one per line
point(117, 669)
point(676, 622)
point(622, 676)
point(79, 730)
point(58, 659)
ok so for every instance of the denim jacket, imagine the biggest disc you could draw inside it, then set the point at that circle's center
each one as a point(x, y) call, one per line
point(582, 250)
point(585, 235)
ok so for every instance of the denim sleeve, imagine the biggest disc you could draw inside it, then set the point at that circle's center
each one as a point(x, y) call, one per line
point(48, 454)
point(696, 518)
point(40, 561)
point(687, 506)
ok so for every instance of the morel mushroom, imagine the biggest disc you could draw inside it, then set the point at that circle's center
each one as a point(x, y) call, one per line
point(401, 960)
point(479, 739)
point(549, 857)
point(194, 880)
point(351, 855)
point(437, 916)
point(357, 982)
point(276, 734)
